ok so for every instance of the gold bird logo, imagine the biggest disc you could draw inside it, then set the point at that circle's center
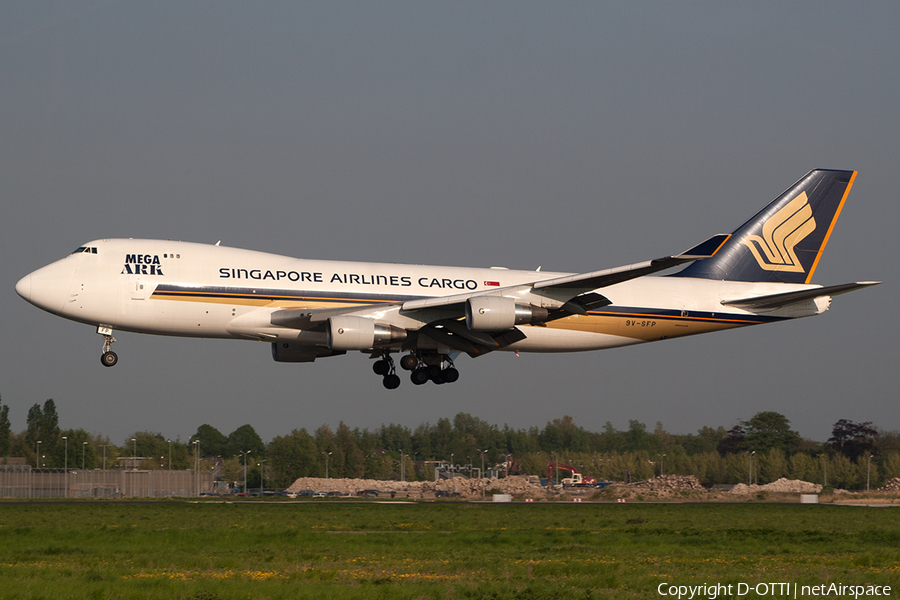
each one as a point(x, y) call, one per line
point(774, 250)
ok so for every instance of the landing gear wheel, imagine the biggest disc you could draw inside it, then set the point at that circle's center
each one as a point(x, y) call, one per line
point(109, 359)
point(391, 382)
point(419, 376)
point(450, 375)
point(381, 367)
point(434, 372)
point(409, 362)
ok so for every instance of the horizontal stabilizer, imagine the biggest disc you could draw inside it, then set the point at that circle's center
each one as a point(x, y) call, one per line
point(773, 301)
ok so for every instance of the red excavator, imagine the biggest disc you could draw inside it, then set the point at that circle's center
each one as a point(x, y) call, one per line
point(577, 479)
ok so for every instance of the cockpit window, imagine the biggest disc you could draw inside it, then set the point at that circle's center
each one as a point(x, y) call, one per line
point(85, 249)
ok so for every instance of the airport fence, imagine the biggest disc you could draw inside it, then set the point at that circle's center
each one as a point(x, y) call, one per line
point(24, 481)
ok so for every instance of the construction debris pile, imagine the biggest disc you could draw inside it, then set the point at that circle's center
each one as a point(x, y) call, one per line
point(783, 485)
point(522, 487)
point(672, 482)
point(891, 485)
point(463, 486)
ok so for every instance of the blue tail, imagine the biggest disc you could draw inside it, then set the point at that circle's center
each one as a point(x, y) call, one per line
point(784, 241)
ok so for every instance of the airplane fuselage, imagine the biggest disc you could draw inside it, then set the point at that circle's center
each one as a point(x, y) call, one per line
point(198, 290)
point(309, 309)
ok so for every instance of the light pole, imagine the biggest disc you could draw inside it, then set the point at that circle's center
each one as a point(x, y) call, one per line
point(169, 472)
point(327, 485)
point(261, 476)
point(133, 465)
point(555, 464)
point(66, 465)
point(83, 446)
point(105, 479)
point(197, 465)
point(37, 458)
point(868, 470)
point(824, 470)
point(750, 482)
point(245, 453)
point(481, 452)
point(662, 470)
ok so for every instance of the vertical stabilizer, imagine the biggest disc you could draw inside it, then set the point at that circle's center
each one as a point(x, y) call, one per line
point(784, 241)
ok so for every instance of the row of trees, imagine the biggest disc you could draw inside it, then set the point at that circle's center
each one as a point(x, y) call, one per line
point(762, 448)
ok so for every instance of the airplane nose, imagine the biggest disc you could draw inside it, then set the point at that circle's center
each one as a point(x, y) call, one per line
point(48, 287)
point(23, 287)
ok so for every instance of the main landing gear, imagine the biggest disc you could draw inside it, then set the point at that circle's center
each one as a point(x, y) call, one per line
point(385, 367)
point(108, 358)
point(423, 368)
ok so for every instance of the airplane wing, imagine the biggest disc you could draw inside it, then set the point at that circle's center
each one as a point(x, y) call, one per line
point(774, 301)
point(440, 318)
point(315, 319)
point(597, 279)
point(570, 286)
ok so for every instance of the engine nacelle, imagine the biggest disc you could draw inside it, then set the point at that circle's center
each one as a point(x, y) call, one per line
point(496, 313)
point(294, 353)
point(359, 333)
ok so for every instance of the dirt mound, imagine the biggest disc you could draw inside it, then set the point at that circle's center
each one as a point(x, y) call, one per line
point(783, 485)
point(672, 482)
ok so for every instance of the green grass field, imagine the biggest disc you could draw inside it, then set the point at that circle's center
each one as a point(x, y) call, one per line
point(208, 551)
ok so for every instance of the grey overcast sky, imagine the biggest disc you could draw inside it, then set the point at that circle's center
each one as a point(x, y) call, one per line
point(571, 135)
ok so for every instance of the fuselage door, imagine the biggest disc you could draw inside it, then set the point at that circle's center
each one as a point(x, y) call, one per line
point(136, 287)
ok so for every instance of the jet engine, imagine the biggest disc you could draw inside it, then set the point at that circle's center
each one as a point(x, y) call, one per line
point(358, 333)
point(496, 313)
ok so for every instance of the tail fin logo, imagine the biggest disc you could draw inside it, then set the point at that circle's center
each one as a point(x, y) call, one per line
point(774, 250)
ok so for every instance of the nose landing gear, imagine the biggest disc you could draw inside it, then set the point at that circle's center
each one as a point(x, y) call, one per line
point(108, 358)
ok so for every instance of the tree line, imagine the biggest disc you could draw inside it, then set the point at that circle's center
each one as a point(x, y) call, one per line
point(760, 450)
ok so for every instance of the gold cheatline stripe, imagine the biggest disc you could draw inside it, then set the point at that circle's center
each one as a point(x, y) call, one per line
point(831, 227)
point(672, 317)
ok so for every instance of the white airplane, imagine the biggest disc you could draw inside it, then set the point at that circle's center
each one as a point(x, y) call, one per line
point(309, 309)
